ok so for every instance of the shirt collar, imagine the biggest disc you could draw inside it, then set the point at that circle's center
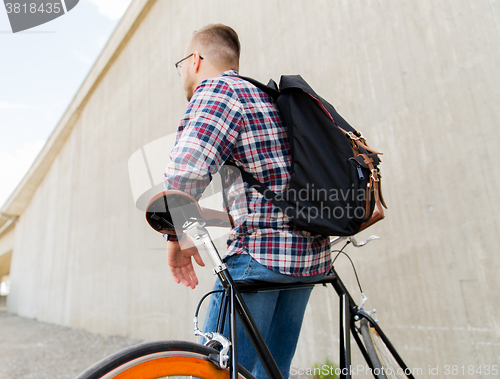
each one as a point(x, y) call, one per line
point(229, 73)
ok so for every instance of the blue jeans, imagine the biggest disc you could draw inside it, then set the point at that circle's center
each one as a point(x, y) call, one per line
point(278, 313)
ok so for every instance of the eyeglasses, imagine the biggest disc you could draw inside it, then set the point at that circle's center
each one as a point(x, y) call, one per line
point(178, 65)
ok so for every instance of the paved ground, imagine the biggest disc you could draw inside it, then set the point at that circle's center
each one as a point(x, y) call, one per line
point(33, 349)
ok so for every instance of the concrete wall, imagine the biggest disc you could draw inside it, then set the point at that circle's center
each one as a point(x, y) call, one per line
point(6, 246)
point(418, 78)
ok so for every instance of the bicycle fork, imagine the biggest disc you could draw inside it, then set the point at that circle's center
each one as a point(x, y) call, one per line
point(349, 314)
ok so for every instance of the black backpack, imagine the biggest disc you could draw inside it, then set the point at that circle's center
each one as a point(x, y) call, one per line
point(331, 163)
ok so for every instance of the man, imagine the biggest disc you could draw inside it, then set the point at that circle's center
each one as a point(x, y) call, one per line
point(229, 118)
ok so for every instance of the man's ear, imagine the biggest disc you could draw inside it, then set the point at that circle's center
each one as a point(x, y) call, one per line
point(196, 62)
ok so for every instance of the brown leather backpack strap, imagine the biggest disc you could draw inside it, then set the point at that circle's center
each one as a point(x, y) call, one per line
point(369, 185)
point(359, 141)
point(374, 183)
point(375, 217)
point(380, 191)
point(368, 160)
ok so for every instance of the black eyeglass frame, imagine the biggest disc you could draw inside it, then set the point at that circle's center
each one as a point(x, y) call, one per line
point(178, 65)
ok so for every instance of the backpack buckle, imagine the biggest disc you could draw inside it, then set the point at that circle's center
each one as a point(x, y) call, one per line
point(375, 175)
point(352, 136)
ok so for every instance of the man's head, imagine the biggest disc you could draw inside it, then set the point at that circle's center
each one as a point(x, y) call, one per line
point(215, 48)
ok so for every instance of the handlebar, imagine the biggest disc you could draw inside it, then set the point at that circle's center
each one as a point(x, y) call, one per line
point(352, 240)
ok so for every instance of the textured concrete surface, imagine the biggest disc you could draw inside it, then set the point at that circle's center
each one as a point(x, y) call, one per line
point(33, 349)
point(418, 78)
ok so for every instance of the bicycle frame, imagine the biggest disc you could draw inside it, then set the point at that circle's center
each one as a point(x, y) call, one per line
point(349, 314)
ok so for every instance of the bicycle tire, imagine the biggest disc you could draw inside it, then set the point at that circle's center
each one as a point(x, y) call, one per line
point(385, 365)
point(161, 359)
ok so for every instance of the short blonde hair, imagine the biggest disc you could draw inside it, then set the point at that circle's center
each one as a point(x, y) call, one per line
point(221, 45)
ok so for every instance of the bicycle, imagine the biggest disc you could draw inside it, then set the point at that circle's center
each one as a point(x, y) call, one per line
point(218, 358)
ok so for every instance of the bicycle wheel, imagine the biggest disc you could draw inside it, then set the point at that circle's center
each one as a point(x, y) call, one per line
point(161, 359)
point(385, 364)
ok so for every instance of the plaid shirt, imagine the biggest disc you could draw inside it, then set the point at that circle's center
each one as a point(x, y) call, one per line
point(229, 118)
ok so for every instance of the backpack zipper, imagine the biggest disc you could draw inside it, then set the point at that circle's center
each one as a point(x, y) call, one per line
point(360, 173)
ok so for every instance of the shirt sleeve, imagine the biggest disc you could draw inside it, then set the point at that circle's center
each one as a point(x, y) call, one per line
point(205, 139)
point(171, 237)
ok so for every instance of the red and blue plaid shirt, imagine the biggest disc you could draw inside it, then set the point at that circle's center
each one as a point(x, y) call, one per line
point(229, 118)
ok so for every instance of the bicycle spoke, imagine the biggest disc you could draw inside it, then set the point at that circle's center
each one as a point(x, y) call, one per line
point(385, 364)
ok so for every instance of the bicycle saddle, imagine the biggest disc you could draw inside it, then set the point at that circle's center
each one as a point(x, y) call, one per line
point(172, 208)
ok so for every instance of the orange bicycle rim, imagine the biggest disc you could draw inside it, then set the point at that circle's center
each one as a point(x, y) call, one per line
point(173, 366)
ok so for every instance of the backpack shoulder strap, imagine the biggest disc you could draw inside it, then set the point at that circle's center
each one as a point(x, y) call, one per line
point(264, 190)
point(271, 88)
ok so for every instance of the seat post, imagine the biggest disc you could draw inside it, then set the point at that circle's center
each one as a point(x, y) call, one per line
point(202, 234)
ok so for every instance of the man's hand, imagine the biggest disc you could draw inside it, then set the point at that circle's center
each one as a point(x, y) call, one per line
point(180, 264)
